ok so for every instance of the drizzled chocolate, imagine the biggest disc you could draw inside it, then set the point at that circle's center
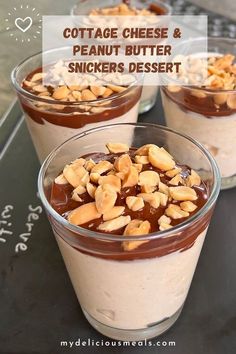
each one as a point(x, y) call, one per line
point(61, 200)
point(73, 114)
point(203, 105)
point(216, 96)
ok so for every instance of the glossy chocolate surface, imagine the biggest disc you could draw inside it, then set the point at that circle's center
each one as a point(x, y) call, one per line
point(74, 114)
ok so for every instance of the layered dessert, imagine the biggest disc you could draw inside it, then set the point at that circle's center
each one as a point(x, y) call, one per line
point(207, 112)
point(127, 8)
point(123, 281)
point(63, 107)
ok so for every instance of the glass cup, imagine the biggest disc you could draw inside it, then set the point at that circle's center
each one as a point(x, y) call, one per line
point(209, 116)
point(137, 294)
point(83, 7)
point(51, 122)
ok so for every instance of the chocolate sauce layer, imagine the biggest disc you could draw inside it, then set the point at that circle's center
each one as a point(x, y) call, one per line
point(61, 200)
point(75, 114)
point(205, 106)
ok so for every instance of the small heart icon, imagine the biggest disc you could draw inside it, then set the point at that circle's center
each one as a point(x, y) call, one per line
point(23, 24)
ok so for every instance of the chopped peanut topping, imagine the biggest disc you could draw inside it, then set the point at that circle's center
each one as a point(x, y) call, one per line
point(165, 190)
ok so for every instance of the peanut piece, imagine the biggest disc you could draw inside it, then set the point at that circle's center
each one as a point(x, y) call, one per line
point(141, 159)
point(61, 179)
point(159, 158)
point(164, 220)
point(102, 167)
point(80, 190)
point(182, 193)
point(37, 77)
point(188, 206)
point(134, 203)
point(116, 88)
point(220, 98)
point(193, 179)
point(135, 228)
point(147, 188)
point(71, 176)
point(94, 177)
point(91, 189)
point(173, 173)
point(61, 93)
point(163, 188)
point(164, 226)
point(173, 88)
point(39, 88)
point(114, 224)
point(150, 178)
point(107, 93)
point(231, 101)
point(116, 148)
point(98, 90)
point(153, 199)
point(138, 166)
point(163, 198)
point(105, 198)
point(76, 197)
point(89, 165)
point(131, 178)
point(123, 163)
point(87, 95)
point(83, 214)
point(113, 213)
point(176, 180)
point(175, 212)
point(113, 181)
point(143, 150)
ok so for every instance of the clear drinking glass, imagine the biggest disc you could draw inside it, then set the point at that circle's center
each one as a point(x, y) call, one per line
point(208, 116)
point(51, 122)
point(83, 7)
point(137, 294)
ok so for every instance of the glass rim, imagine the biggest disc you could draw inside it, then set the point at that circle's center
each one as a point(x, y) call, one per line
point(199, 88)
point(162, 4)
point(112, 237)
point(33, 96)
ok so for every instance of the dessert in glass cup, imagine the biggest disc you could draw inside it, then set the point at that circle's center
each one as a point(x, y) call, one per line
point(58, 110)
point(207, 112)
point(127, 8)
point(130, 218)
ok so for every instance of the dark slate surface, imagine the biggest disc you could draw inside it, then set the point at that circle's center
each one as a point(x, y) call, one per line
point(38, 307)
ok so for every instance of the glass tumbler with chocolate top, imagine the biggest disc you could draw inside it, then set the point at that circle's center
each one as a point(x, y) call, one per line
point(207, 112)
point(56, 111)
point(127, 8)
point(130, 215)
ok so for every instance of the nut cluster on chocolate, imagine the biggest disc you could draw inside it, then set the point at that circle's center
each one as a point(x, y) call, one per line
point(122, 185)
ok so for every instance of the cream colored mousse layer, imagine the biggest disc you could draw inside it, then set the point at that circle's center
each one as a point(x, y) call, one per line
point(218, 134)
point(47, 136)
point(131, 294)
